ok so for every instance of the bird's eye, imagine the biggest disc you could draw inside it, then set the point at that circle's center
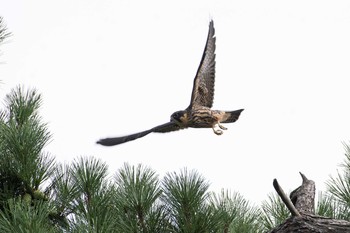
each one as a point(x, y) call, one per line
point(176, 116)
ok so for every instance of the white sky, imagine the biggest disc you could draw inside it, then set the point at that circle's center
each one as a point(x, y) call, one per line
point(109, 68)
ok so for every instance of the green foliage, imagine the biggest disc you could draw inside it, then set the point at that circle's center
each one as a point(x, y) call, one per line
point(63, 194)
point(80, 197)
point(137, 202)
point(83, 197)
point(338, 201)
point(331, 207)
point(24, 165)
point(274, 212)
point(3, 31)
point(21, 217)
point(339, 186)
point(186, 196)
point(235, 214)
point(92, 204)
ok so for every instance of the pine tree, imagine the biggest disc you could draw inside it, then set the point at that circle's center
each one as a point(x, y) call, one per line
point(235, 214)
point(274, 212)
point(187, 199)
point(338, 198)
point(38, 195)
point(4, 33)
point(24, 165)
point(92, 205)
point(137, 201)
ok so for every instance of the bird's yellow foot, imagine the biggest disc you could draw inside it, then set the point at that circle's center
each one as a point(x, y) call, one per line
point(222, 127)
point(217, 131)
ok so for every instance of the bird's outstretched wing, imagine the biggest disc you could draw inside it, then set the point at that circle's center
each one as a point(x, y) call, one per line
point(203, 84)
point(164, 128)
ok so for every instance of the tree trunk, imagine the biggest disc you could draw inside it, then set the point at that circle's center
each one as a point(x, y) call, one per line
point(302, 207)
point(314, 224)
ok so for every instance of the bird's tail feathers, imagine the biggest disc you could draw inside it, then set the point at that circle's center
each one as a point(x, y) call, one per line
point(232, 116)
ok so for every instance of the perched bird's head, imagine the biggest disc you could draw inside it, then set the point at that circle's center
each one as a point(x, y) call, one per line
point(179, 117)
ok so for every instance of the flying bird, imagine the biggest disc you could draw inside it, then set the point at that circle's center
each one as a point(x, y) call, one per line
point(199, 113)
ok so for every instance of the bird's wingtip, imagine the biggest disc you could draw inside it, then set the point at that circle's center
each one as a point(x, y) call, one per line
point(99, 142)
point(103, 142)
point(211, 23)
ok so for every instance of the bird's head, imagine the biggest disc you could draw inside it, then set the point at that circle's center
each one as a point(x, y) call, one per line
point(179, 117)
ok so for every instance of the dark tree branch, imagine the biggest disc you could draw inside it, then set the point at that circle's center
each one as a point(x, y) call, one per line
point(285, 199)
point(312, 224)
point(301, 205)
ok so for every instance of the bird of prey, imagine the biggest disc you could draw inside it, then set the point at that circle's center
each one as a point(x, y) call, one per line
point(199, 113)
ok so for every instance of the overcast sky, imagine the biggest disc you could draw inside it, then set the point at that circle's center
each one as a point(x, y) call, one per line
point(109, 68)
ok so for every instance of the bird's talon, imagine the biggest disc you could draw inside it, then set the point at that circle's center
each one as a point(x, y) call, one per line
point(217, 131)
point(222, 127)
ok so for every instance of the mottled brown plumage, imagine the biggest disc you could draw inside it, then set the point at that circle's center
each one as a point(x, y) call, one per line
point(203, 84)
point(198, 114)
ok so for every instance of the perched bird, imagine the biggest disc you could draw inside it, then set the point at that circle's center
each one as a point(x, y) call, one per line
point(198, 114)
